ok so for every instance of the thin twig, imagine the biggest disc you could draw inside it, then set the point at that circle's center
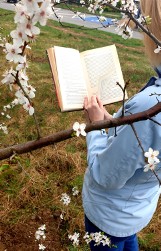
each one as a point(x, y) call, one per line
point(126, 12)
point(124, 92)
point(156, 175)
point(75, 12)
point(82, 27)
point(155, 94)
point(130, 15)
point(140, 144)
point(134, 130)
point(115, 132)
point(156, 122)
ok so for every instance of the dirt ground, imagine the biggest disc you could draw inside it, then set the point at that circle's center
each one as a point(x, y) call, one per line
point(21, 236)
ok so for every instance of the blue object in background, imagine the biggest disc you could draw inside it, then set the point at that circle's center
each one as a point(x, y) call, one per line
point(96, 20)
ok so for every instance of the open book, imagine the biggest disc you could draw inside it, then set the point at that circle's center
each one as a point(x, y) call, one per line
point(92, 72)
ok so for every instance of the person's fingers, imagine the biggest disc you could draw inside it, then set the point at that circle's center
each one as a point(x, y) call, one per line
point(93, 100)
point(86, 116)
point(99, 103)
point(85, 104)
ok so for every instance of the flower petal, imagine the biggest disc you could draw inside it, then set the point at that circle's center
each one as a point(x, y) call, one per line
point(76, 126)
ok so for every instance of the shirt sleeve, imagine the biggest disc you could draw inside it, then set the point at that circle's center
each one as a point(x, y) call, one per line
point(113, 160)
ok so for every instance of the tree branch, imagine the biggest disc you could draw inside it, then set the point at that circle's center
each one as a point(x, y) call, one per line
point(130, 15)
point(67, 134)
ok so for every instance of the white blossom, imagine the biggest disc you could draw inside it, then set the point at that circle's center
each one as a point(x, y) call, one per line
point(127, 33)
point(42, 247)
point(152, 156)
point(3, 127)
point(149, 166)
point(21, 13)
point(42, 227)
point(29, 29)
point(158, 49)
point(65, 199)
point(8, 116)
point(23, 78)
point(28, 107)
point(124, 30)
point(9, 77)
point(20, 96)
point(14, 102)
point(28, 13)
point(19, 36)
point(102, 19)
point(79, 14)
point(5, 107)
point(61, 216)
point(106, 241)
point(79, 129)
point(13, 53)
point(114, 2)
point(130, 6)
point(87, 238)
point(24, 101)
point(31, 5)
point(40, 233)
point(30, 90)
point(98, 238)
point(91, 8)
point(75, 191)
point(82, 2)
point(43, 13)
point(101, 11)
point(23, 65)
point(152, 160)
point(74, 238)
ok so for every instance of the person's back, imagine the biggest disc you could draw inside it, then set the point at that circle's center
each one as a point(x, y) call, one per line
point(115, 182)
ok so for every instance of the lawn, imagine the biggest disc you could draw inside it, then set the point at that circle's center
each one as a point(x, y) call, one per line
point(31, 185)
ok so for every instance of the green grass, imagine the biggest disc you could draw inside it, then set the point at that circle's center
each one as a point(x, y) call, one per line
point(31, 186)
point(149, 238)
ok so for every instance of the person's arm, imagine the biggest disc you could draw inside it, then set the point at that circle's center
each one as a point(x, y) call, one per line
point(113, 160)
point(94, 110)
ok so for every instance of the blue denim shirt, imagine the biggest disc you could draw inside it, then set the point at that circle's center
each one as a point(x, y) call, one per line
point(118, 196)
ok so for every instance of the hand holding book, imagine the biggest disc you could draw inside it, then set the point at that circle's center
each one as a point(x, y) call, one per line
point(95, 110)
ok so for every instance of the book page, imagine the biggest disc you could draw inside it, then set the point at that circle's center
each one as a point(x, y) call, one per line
point(103, 71)
point(71, 80)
